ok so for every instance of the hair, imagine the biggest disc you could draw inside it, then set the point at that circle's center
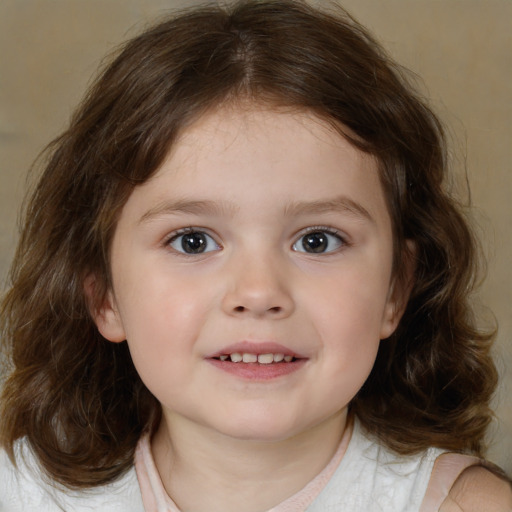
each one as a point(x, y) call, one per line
point(77, 398)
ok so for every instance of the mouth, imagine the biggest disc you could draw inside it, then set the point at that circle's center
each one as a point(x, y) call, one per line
point(257, 361)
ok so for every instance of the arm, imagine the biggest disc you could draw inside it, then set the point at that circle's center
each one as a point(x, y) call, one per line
point(478, 490)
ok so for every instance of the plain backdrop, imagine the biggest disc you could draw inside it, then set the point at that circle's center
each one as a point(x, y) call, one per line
point(461, 49)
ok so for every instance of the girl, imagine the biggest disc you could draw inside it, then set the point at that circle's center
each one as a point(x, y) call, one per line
point(241, 286)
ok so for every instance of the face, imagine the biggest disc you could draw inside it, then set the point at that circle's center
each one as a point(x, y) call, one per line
point(252, 275)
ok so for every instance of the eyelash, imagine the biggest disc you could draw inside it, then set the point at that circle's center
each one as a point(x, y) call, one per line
point(168, 241)
point(322, 229)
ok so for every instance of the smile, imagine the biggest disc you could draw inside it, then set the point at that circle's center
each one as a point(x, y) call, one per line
point(262, 361)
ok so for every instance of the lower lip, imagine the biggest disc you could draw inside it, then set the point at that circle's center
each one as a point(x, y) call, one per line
point(257, 371)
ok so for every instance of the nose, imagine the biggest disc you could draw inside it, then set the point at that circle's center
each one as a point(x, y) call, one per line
point(258, 286)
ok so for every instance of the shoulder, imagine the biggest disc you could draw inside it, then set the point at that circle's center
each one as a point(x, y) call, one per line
point(478, 489)
point(373, 477)
point(25, 488)
point(18, 488)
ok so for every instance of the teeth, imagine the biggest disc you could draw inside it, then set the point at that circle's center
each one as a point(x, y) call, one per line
point(266, 358)
point(250, 358)
point(237, 357)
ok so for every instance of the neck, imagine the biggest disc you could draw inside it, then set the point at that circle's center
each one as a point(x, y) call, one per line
point(208, 471)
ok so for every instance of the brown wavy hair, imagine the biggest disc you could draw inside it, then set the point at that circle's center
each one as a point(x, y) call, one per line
point(77, 398)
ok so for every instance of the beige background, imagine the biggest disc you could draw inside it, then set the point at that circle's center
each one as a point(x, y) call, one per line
point(460, 48)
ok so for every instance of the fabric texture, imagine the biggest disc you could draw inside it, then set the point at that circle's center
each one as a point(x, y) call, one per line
point(363, 476)
point(25, 489)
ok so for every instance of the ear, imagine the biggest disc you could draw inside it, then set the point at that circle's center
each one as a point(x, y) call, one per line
point(104, 311)
point(399, 291)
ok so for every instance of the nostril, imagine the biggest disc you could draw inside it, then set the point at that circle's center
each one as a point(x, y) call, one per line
point(243, 309)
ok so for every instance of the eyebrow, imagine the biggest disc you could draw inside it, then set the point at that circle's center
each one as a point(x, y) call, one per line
point(340, 204)
point(210, 208)
point(191, 207)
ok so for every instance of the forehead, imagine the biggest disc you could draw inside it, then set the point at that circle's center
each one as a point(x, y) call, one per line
point(228, 126)
point(242, 156)
point(241, 131)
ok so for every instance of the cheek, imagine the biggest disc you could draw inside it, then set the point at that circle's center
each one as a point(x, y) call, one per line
point(351, 310)
point(350, 349)
point(351, 343)
point(348, 323)
point(162, 321)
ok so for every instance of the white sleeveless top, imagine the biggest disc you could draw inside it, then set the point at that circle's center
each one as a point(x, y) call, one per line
point(363, 476)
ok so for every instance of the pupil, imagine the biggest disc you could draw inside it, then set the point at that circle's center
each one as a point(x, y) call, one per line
point(193, 243)
point(315, 242)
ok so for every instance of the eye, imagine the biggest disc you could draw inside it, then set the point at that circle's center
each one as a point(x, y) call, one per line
point(318, 242)
point(193, 242)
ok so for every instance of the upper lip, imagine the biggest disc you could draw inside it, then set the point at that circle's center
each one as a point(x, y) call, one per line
point(257, 348)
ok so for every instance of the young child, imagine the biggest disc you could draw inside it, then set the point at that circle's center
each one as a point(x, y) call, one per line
point(241, 286)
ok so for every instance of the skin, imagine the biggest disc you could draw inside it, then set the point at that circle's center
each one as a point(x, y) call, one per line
point(478, 489)
point(253, 181)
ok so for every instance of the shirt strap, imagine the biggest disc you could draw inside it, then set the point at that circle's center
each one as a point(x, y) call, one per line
point(447, 468)
point(154, 497)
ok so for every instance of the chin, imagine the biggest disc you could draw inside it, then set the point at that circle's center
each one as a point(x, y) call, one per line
point(267, 429)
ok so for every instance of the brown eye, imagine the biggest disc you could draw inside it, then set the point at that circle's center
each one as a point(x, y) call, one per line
point(317, 242)
point(193, 242)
